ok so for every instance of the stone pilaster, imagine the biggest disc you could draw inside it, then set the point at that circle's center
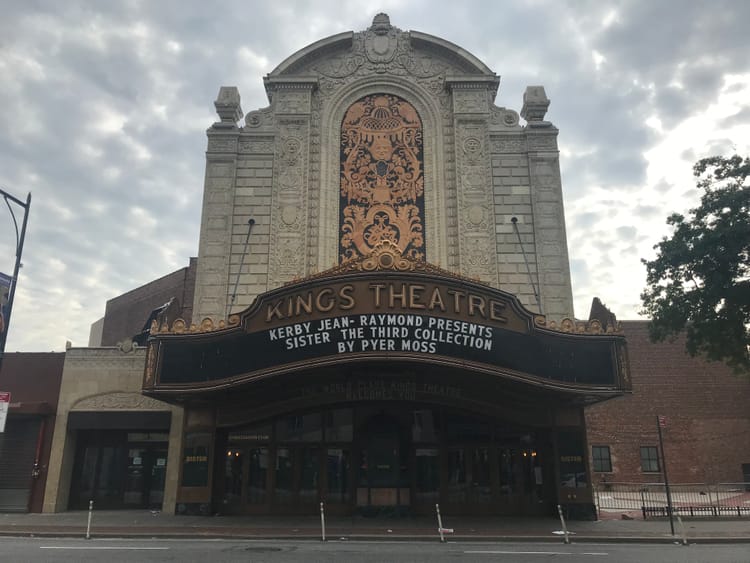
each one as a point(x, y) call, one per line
point(292, 104)
point(555, 290)
point(212, 276)
point(477, 251)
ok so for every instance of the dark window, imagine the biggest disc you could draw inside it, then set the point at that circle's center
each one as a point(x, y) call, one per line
point(601, 459)
point(299, 428)
point(649, 459)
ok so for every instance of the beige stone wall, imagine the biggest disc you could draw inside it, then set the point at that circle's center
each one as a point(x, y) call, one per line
point(482, 168)
point(103, 379)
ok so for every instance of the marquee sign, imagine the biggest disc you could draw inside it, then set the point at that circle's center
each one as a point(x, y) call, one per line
point(383, 309)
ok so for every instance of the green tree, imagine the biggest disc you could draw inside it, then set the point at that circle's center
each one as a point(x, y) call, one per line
point(699, 283)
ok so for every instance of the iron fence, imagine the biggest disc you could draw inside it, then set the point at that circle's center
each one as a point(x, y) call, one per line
point(688, 500)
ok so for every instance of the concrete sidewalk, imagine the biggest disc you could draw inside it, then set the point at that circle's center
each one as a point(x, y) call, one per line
point(143, 523)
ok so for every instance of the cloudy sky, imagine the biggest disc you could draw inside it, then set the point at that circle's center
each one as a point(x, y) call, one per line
point(104, 107)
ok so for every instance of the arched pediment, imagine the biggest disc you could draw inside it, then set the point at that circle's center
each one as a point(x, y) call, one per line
point(379, 49)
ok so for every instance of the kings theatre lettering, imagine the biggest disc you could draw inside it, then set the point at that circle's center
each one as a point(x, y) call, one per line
point(386, 296)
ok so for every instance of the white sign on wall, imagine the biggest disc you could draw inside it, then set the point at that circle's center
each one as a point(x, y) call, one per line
point(4, 405)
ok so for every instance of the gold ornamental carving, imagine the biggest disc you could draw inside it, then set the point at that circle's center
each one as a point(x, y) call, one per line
point(382, 180)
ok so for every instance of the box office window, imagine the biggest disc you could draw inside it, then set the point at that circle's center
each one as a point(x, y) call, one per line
point(601, 459)
point(195, 460)
point(649, 459)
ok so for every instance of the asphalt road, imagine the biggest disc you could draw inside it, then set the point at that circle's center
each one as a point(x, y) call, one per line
point(40, 550)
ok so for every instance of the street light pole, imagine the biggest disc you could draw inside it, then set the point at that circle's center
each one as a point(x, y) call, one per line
point(19, 251)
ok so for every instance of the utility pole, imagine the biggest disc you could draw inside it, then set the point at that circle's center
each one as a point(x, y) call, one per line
point(660, 422)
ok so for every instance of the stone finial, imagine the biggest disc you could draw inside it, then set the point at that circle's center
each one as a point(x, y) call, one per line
point(381, 24)
point(535, 104)
point(227, 106)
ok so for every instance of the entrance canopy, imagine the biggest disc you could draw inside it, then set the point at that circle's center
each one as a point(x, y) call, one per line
point(386, 311)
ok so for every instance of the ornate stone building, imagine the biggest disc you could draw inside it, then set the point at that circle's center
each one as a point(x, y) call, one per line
point(382, 315)
point(382, 265)
point(489, 203)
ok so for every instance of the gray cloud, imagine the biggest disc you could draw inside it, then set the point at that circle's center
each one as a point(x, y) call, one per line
point(105, 107)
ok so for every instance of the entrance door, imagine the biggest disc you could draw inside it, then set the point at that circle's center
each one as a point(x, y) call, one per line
point(383, 475)
point(117, 474)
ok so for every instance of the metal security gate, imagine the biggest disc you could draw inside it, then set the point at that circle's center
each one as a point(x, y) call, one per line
point(17, 449)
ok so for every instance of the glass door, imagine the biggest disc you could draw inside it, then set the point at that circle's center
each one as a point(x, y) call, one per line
point(338, 467)
point(135, 478)
point(158, 476)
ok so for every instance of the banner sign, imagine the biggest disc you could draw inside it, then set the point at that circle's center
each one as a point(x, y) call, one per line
point(4, 405)
point(5, 283)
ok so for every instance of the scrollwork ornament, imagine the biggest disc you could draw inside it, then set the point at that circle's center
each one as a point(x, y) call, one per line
point(382, 182)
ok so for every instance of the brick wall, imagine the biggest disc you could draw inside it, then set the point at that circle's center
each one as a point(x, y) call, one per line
point(707, 437)
point(124, 315)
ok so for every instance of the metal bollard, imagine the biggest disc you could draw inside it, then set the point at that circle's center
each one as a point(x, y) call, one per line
point(566, 538)
point(440, 523)
point(322, 523)
point(88, 525)
point(682, 529)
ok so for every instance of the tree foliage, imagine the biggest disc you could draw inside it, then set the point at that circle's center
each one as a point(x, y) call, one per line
point(699, 283)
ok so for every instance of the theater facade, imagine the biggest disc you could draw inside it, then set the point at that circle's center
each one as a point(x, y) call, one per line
point(382, 317)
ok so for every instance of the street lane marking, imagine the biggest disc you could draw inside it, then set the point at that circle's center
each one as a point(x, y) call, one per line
point(98, 547)
point(497, 552)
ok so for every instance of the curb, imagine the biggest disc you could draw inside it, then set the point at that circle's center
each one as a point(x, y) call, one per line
point(374, 537)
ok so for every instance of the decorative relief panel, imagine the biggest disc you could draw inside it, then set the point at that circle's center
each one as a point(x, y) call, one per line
point(222, 144)
point(542, 142)
point(314, 198)
point(477, 252)
point(256, 145)
point(291, 102)
point(288, 221)
point(382, 178)
point(470, 101)
point(508, 144)
point(288, 258)
point(119, 400)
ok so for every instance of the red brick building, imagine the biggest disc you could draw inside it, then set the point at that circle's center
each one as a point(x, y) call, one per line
point(707, 410)
point(33, 380)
